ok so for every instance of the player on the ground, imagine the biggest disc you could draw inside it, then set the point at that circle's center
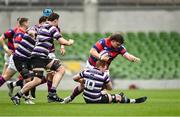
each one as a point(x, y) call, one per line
point(113, 46)
point(95, 80)
point(40, 61)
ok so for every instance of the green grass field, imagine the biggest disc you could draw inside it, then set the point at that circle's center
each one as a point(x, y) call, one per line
point(159, 103)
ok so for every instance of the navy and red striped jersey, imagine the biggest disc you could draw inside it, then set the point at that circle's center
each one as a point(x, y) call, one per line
point(105, 44)
point(18, 35)
point(9, 34)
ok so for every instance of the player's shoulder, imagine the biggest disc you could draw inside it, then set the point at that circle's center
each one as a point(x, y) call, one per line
point(53, 28)
point(20, 30)
point(15, 28)
point(102, 41)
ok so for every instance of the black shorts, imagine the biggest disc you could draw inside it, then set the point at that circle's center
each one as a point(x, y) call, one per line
point(22, 63)
point(104, 99)
point(38, 62)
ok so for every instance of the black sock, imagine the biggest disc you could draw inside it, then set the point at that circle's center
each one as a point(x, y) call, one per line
point(53, 90)
point(11, 84)
point(19, 94)
point(33, 92)
point(124, 99)
point(19, 83)
point(75, 92)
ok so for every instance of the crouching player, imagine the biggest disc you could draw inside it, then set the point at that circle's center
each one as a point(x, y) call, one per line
point(95, 80)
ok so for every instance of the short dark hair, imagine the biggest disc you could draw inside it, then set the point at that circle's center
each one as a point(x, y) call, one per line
point(53, 17)
point(117, 37)
point(22, 20)
point(43, 19)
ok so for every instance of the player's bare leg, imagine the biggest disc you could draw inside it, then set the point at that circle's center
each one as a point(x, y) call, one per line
point(4, 68)
point(16, 99)
point(49, 77)
point(7, 75)
point(55, 82)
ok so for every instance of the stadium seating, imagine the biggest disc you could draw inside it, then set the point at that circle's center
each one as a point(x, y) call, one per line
point(159, 52)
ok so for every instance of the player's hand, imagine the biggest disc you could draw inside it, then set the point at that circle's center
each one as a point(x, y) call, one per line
point(105, 58)
point(71, 41)
point(32, 33)
point(62, 50)
point(135, 59)
point(81, 81)
point(9, 52)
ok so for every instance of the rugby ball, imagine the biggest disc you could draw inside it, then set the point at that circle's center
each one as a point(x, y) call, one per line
point(103, 54)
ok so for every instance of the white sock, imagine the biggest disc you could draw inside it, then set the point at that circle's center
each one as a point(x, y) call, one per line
point(14, 84)
point(132, 100)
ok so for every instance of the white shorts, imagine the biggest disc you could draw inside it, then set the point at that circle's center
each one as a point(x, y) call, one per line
point(89, 66)
point(52, 55)
point(11, 63)
point(6, 58)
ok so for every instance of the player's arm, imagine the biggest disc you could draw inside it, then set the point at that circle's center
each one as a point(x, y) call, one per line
point(5, 47)
point(97, 55)
point(131, 57)
point(108, 83)
point(65, 42)
point(96, 49)
point(108, 86)
point(78, 78)
point(56, 34)
point(94, 53)
point(127, 55)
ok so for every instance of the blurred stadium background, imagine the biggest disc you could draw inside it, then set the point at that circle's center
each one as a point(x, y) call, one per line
point(151, 29)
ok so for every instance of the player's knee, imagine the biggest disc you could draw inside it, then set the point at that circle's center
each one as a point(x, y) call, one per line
point(27, 80)
point(36, 81)
point(115, 98)
point(50, 76)
point(80, 88)
point(8, 74)
point(56, 65)
point(61, 69)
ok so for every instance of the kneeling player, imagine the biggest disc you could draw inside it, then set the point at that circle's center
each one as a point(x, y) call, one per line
point(95, 81)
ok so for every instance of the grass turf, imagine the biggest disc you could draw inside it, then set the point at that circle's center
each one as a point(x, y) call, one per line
point(159, 103)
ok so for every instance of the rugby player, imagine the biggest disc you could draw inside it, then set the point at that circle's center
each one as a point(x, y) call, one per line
point(32, 32)
point(9, 48)
point(40, 60)
point(95, 80)
point(114, 47)
point(11, 70)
